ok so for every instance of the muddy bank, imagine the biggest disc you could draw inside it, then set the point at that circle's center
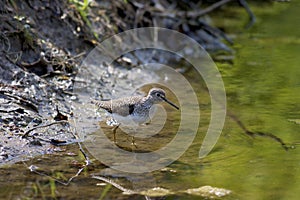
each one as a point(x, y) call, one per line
point(42, 45)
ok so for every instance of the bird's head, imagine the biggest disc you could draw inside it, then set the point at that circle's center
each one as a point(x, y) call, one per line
point(158, 95)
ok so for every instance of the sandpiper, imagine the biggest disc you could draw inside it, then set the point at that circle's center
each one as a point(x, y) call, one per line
point(133, 108)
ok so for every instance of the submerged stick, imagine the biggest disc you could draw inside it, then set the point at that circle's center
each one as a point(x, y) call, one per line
point(253, 134)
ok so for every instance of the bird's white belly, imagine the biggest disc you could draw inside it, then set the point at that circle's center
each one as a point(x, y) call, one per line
point(131, 120)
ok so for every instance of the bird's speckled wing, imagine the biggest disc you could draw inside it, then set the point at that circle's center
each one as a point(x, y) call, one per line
point(123, 106)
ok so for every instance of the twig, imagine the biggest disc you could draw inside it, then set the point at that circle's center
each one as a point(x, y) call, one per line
point(43, 126)
point(195, 14)
point(87, 160)
point(216, 31)
point(23, 101)
point(116, 185)
point(250, 13)
point(191, 14)
point(200, 13)
point(33, 168)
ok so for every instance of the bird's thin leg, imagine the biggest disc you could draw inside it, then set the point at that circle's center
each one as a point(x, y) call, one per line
point(133, 142)
point(133, 139)
point(114, 130)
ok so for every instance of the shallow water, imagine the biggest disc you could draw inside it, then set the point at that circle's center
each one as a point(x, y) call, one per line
point(262, 87)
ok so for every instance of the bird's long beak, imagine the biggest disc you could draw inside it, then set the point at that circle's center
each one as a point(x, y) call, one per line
point(169, 102)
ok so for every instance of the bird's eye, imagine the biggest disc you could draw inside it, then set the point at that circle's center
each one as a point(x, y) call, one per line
point(157, 94)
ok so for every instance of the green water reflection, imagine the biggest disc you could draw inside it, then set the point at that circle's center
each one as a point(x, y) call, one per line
point(263, 88)
point(263, 91)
